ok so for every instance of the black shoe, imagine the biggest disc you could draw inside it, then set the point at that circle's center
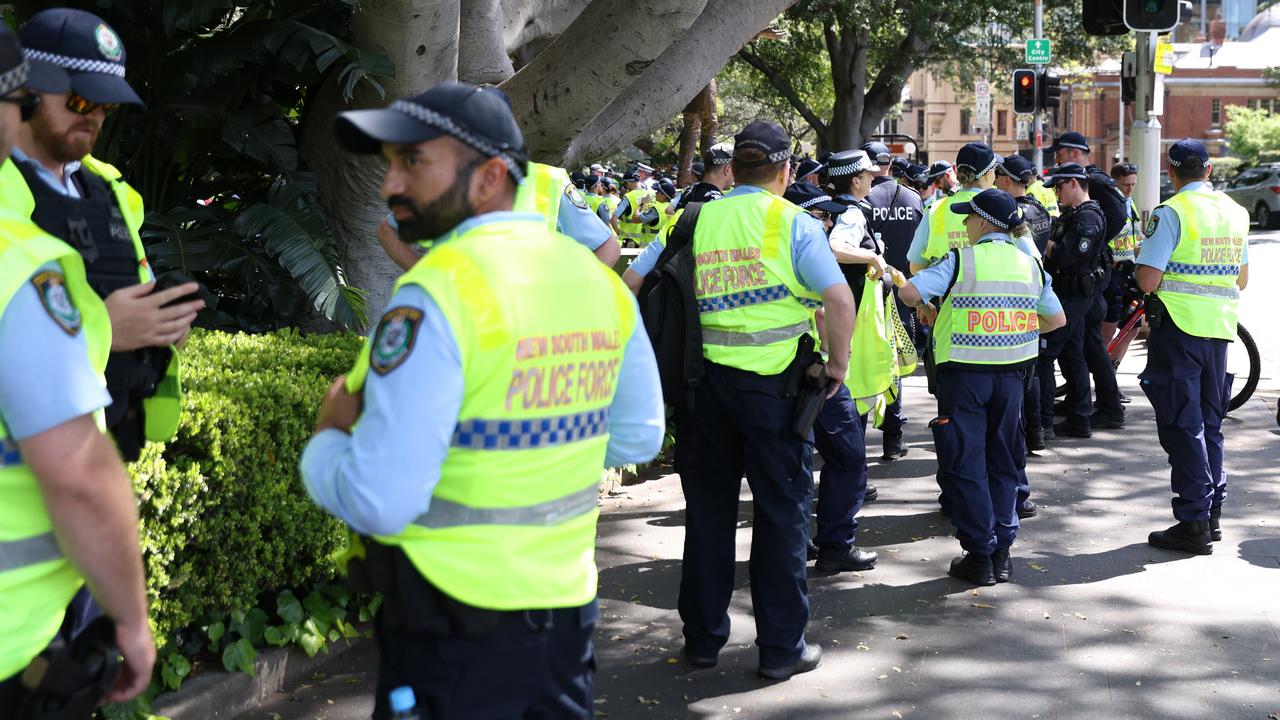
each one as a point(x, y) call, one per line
point(1106, 422)
point(973, 568)
point(1215, 523)
point(813, 551)
point(1027, 509)
point(1035, 438)
point(699, 661)
point(1060, 407)
point(844, 561)
point(873, 494)
point(1125, 399)
point(1001, 565)
point(1071, 429)
point(1192, 537)
point(1047, 433)
point(810, 659)
point(893, 448)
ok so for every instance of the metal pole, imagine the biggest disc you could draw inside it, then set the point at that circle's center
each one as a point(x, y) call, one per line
point(1146, 127)
point(1037, 125)
point(1120, 124)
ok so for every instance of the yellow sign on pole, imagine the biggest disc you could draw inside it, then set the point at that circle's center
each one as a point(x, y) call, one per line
point(1164, 58)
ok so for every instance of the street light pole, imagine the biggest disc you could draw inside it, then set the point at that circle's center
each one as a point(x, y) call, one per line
point(1037, 125)
point(1146, 126)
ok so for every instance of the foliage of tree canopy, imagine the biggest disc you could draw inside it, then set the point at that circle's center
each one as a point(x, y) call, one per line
point(1254, 134)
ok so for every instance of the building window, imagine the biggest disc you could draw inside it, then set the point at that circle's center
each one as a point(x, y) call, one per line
point(966, 121)
point(889, 126)
point(1254, 103)
point(1216, 114)
point(1002, 123)
point(920, 124)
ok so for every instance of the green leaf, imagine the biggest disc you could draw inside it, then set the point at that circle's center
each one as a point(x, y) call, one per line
point(239, 655)
point(288, 607)
point(274, 636)
point(312, 643)
point(216, 632)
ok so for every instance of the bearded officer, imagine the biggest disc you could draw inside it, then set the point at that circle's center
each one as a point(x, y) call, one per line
point(509, 368)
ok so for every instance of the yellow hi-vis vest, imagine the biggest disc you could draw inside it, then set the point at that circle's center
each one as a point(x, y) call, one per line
point(164, 408)
point(752, 305)
point(1199, 283)
point(651, 232)
point(541, 191)
point(989, 317)
point(631, 230)
point(946, 229)
point(1124, 246)
point(1046, 196)
point(541, 327)
point(36, 580)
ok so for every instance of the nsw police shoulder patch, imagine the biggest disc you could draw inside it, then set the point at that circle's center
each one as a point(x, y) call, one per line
point(52, 288)
point(394, 338)
point(1152, 223)
point(575, 196)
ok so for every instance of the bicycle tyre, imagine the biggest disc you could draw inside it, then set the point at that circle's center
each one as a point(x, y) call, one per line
point(1255, 369)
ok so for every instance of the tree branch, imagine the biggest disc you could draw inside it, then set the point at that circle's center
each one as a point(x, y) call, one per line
point(784, 88)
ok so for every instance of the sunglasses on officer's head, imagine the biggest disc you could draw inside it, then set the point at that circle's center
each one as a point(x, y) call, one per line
point(81, 105)
point(26, 104)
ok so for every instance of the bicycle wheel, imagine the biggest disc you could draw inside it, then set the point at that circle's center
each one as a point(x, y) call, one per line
point(1243, 360)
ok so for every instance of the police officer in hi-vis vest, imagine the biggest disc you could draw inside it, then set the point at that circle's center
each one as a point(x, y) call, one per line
point(942, 230)
point(467, 443)
point(1195, 259)
point(68, 512)
point(994, 301)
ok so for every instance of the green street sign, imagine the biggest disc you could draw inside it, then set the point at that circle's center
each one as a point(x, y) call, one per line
point(1039, 52)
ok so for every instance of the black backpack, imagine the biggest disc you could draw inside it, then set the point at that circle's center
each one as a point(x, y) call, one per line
point(669, 308)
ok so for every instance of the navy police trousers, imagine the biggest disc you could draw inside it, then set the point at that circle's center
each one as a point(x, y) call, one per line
point(839, 434)
point(1187, 382)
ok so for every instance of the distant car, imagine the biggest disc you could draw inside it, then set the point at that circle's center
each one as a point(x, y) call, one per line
point(1258, 191)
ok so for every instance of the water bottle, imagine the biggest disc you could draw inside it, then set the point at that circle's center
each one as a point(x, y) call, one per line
point(403, 704)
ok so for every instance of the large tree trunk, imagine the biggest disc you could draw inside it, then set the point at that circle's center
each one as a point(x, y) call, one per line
point(421, 38)
point(689, 133)
point(676, 76)
point(847, 48)
point(491, 31)
point(710, 117)
point(557, 94)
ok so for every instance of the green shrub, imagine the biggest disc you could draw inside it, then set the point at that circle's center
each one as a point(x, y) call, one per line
point(225, 517)
point(1225, 168)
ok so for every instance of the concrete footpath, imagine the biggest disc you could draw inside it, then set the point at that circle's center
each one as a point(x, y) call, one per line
point(1096, 624)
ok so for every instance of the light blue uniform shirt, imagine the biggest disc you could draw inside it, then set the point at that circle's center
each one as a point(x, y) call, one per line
point(45, 375)
point(920, 240)
point(381, 477)
point(814, 264)
point(64, 186)
point(933, 281)
point(1160, 242)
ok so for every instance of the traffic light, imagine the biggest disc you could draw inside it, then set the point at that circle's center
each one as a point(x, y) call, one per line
point(1103, 17)
point(1151, 15)
point(1050, 89)
point(1024, 91)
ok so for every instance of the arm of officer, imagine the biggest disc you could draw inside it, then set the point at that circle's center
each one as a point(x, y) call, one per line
point(380, 476)
point(86, 490)
point(919, 241)
point(1163, 231)
point(846, 241)
point(1049, 308)
point(644, 263)
point(637, 419)
point(931, 282)
point(579, 223)
point(817, 270)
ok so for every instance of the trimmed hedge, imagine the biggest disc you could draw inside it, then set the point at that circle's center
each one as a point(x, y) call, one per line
point(224, 515)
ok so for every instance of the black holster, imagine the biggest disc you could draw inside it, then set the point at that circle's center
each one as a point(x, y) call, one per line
point(805, 380)
point(1155, 311)
point(410, 603)
point(66, 682)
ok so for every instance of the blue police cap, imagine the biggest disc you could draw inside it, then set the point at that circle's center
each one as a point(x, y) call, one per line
point(77, 51)
point(589, 181)
point(698, 168)
point(15, 70)
point(877, 151)
point(1017, 167)
point(899, 166)
point(666, 187)
point(630, 177)
point(808, 166)
point(811, 197)
point(995, 206)
point(1072, 140)
point(938, 169)
point(976, 156)
point(1066, 171)
point(479, 117)
point(766, 137)
point(1188, 153)
point(917, 173)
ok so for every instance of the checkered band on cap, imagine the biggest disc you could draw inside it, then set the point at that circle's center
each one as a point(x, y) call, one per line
point(13, 78)
point(1074, 146)
point(814, 201)
point(979, 173)
point(988, 217)
point(77, 64)
point(850, 169)
point(775, 157)
point(514, 167)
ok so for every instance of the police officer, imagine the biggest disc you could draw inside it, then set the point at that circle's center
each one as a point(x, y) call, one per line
point(481, 431)
point(68, 513)
point(916, 177)
point(626, 216)
point(547, 191)
point(1013, 175)
point(986, 339)
point(942, 229)
point(751, 335)
point(87, 204)
point(1196, 261)
point(1075, 259)
point(942, 182)
point(808, 171)
point(896, 212)
point(1124, 250)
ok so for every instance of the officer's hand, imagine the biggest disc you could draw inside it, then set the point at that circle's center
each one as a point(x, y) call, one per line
point(837, 373)
point(340, 409)
point(139, 652)
point(898, 278)
point(876, 268)
point(926, 313)
point(139, 318)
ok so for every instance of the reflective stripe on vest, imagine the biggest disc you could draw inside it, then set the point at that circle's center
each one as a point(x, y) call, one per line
point(747, 339)
point(989, 318)
point(9, 453)
point(532, 433)
point(1199, 284)
point(446, 513)
point(17, 554)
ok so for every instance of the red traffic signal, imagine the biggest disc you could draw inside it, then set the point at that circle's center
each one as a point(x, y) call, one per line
point(1024, 91)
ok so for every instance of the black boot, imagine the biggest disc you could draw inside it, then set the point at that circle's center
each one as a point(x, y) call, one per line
point(1047, 433)
point(893, 447)
point(1001, 565)
point(973, 568)
point(1027, 509)
point(835, 561)
point(1215, 523)
point(1073, 428)
point(1035, 437)
point(872, 494)
point(1107, 422)
point(1191, 537)
point(813, 551)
